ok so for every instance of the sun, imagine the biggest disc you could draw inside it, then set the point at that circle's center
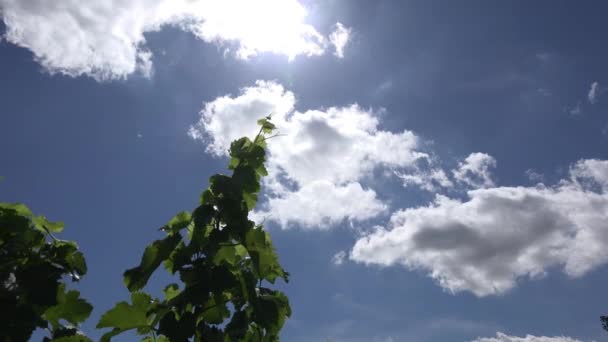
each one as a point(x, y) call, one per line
point(276, 26)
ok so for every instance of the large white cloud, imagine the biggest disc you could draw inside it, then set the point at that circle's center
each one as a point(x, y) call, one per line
point(500, 337)
point(105, 39)
point(499, 235)
point(319, 165)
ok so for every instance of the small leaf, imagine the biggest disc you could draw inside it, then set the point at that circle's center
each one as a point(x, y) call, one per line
point(267, 126)
point(125, 316)
point(215, 311)
point(263, 255)
point(108, 336)
point(21, 209)
point(41, 223)
point(206, 197)
point(261, 170)
point(171, 291)
point(203, 215)
point(136, 278)
point(77, 262)
point(180, 221)
point(229, 254)
point(70, 307)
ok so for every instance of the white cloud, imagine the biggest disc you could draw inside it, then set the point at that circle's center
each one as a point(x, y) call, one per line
point(498, 236)
point(319, 164)
point(535, 176)
point(322, 204)
point(429, 180)
point(475, 170)
point(106, 40)
point(500, 337)
point(593, 93)
point(338, 258)
point(590, 172)
point(339, 38)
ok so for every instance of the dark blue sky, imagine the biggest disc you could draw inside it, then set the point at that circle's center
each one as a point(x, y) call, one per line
point(113, 160)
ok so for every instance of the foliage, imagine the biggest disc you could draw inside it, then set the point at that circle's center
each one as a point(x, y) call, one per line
point(222, 259)
point(604, 320)
point(33, 265)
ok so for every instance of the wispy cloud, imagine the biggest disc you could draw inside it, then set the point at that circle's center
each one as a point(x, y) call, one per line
point(339, 257)
point(339, 38)
point(593, 93)
point(500, 337)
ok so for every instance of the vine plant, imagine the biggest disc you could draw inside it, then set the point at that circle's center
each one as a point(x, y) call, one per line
point(33, 267)
point(222, 259)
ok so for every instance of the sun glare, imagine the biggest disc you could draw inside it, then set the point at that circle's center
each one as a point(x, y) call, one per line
point(276, 26)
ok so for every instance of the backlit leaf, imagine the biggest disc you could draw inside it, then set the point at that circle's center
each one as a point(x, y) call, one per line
point(136, 278)
point(125, 316)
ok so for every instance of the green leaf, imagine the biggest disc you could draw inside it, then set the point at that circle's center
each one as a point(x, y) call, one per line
point(73, 338)
point(234, 162)
point(180, 256)
point(69, 307)
point(203, 215)
point(68, 251)
point(263, 255)
point(171, 291)
point(215, 311)
point(229, 254)
point(21, 209)
point(261, 170)
point(136, 278)
point(108, 336)
point(250, 200)
point(77, 262)
point(206, 197)
point(180, 221)
point(125, 316)
point(267, 126)
point(43, 224)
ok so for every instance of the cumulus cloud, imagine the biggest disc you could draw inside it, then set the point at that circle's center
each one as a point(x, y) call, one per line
point(474, 171)
point(106, 40)
point(500, 337)
point(591, 172)
point(487, 243)
point(593, 92)
point(339, 38)
point(323, 204)
point(319, 164)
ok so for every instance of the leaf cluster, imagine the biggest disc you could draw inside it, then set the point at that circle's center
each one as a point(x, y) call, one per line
point(33, 267)
point(222, 258)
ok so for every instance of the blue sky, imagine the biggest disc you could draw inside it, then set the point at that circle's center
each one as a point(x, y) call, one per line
point(443, 174)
